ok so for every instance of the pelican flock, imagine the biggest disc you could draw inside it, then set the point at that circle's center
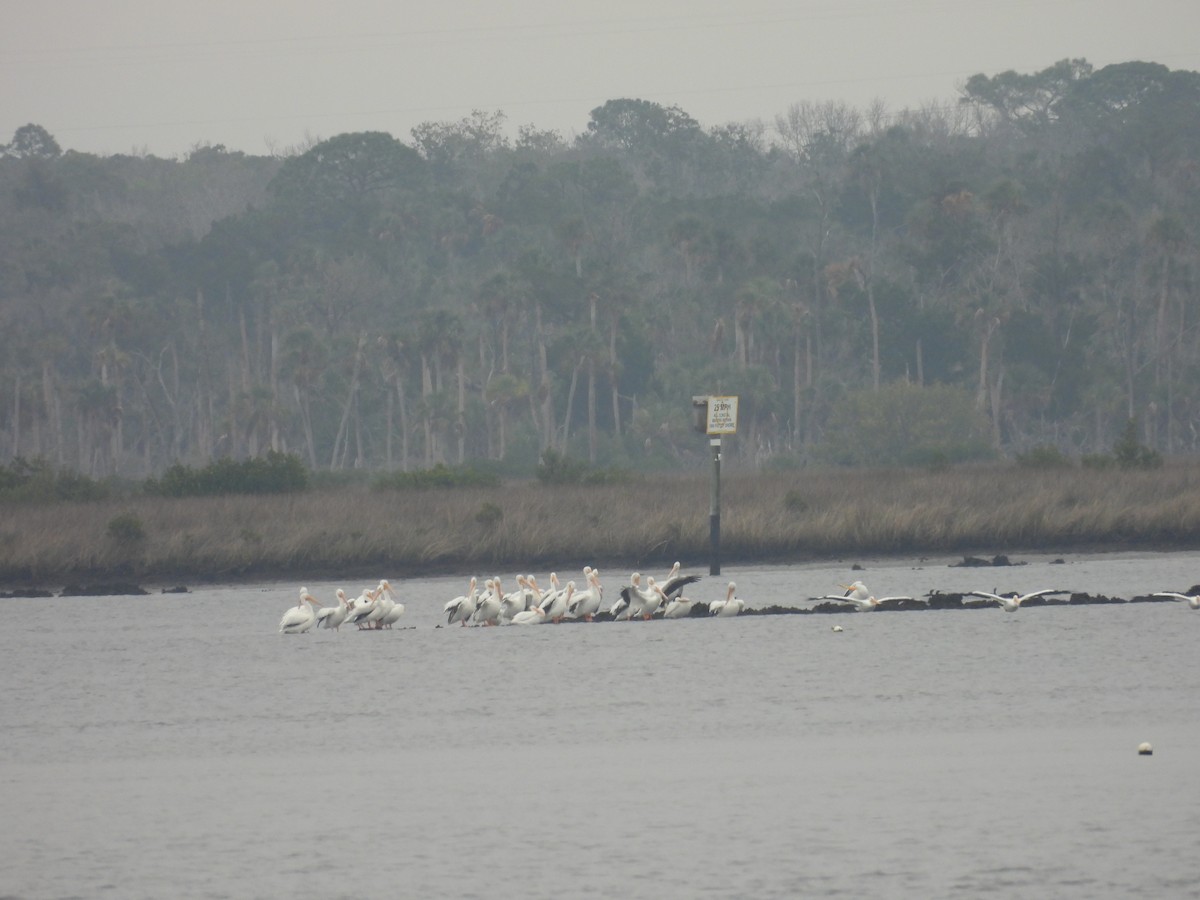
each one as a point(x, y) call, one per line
point(643, 598)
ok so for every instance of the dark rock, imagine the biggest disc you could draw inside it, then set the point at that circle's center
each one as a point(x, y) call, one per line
point(102, 590)
point(901, 605)
point(979, 562)
point(833, 607)
point(1093, 598)
point(26, 592)
point(938, 600)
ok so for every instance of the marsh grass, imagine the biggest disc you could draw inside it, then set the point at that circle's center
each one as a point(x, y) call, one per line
point(792, 516)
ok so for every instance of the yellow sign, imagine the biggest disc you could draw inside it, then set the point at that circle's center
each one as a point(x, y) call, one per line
point(722, 415)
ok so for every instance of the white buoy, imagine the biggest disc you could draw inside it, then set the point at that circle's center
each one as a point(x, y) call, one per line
point(837, 627)
point(1144, 749)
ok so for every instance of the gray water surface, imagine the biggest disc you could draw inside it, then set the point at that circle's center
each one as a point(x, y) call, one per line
point(177, 745)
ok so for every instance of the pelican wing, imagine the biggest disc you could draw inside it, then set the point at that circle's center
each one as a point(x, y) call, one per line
point(1172, 595)
point(674, 587)
point(985, 595)
point(1043, 593)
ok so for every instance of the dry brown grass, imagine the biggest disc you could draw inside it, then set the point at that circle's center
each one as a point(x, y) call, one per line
point(813, 514)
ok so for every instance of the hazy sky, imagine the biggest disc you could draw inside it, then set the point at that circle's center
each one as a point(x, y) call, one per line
point(160, 77)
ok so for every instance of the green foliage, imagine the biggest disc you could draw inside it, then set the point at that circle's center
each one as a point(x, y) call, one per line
point(461, 292)
point(126, 528)
point(902, 424)
point(558, 468)
point(1043, 457)
point(1130, 454)
point(275, 473)
point(32, 142)
point(440, 476)
point(36, 480)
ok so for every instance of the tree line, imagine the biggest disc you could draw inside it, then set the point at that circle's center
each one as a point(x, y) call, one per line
point(1015, 270)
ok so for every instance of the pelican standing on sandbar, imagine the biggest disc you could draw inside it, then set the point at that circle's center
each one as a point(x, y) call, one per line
point(301, 617)
point(730, 606)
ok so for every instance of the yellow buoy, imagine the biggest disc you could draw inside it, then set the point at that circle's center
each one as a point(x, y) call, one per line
point(1144, 749)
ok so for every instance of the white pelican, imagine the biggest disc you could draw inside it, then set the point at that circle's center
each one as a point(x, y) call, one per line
point(301, 617)
point(516, 602)
point(363, 606)
point(586, 603)
point(674, 583)
point(855, 589)
point(620, 607)
point(1193, 600)
point(490, 605)
point(460, 609)
point(534, 616)
point(394, 610)
point(333, 616)
point(1013, 601)
point(862, 599)
point(544, 598)
point(730, 606)
point(560, 603)
point(678, 607)
point(638, 602)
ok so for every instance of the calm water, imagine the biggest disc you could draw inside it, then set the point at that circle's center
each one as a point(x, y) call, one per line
point(176, 745)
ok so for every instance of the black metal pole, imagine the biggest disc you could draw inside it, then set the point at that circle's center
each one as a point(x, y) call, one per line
point(714, 510)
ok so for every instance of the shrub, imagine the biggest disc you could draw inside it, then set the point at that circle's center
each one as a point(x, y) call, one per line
point(558, 468)
point(440, 476)
point(126, 528)
point(1043, 457)
point(1130, 454)
point(275, 473)
point(37, 480)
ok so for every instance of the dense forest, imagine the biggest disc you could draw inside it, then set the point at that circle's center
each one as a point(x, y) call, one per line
point(1010, 272)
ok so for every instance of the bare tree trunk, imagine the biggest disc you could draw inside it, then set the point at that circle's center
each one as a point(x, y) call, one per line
point(591, 407)
point(343, 431)
point(461, 424)
point(613, 374)
point(399, 384)
point(547, 400)
point(16, 418)
point(53, 411)
point(306, 422)
point(427, 416)
point(566, 430)
point(797, 387)
point(388, 441)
